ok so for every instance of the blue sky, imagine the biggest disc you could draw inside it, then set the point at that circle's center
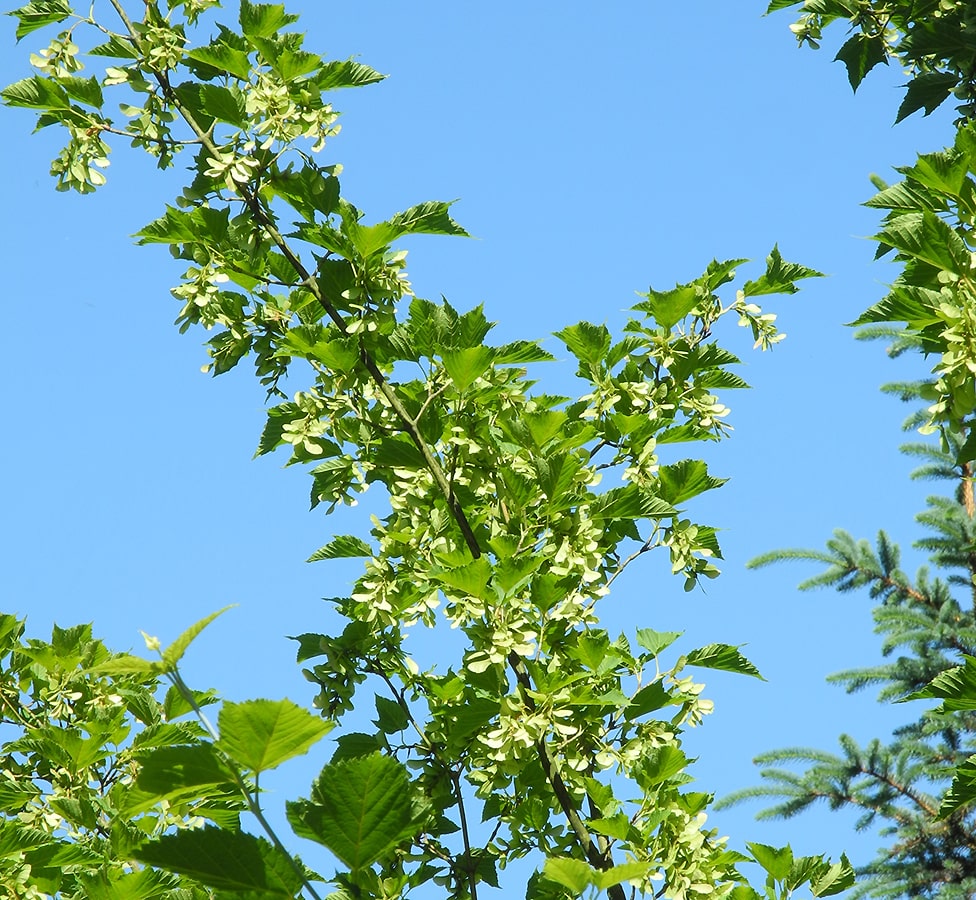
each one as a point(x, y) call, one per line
point(593, 154)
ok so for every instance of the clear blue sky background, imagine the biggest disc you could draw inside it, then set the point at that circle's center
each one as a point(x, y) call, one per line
point(593, 153)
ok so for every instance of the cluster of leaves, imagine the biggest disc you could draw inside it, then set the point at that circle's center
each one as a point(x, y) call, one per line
point(511, 512)
point(933, 41)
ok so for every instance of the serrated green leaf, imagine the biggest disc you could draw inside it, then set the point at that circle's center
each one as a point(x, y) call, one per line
point(667, 308)
point(35, 93)
point(38, 14)
point(956, 688)
point(926, 237)
point(341, 547)
point(723, 657)
point(391, 717)
point(344, 74)
point(860, 54)
point(962, 791)
point(262, 734)
point(927, 91)
point(224, 58)
point(683, 480)
point(587, 342)
point(837, 877)
point(776, 861)
point(618, 874)
point(361, 808)
point(469, 579)
point(181, 771)
point(649, 698)
point(656, 641)
point(126, 664)
point(658, 764)
point(779, 276)
point(467, 365)
point(573, 874)
point(226, 860)
point(174, 652)
point(264, 19)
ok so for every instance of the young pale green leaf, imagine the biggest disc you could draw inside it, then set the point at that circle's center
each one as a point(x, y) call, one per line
point(683, 480)
point(126, 664)
point(723, 657)
point(955, 687)
point(656, 641)
point(587, 342)
point(466, 366)
point(226, 860)
point(361, 808)
point(470, 579)
point(264, 19)
point(629, 871)
point(341, 547)
point(667, 308)
point(777, 861)
point(262, 734)
point(570, 873)
point(779, 276)
point(174, 652)
point(658, 764)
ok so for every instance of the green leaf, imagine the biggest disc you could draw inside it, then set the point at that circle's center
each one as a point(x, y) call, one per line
point(262, 734)
point(39, 13)
point(962, 791)
point(84, 90)
point(36, 93)
point(956, 687)
point(126, 664)
point(861, 53)
point(667, 308)
point(570, 873)
point(174, 652)
point(838, 877)
point(466, 366)
point(623, 872)
point(776, 861)
point(341, 547)
point(683, 480)
point(723, 657)
point(927, 237)
point(928, 90)
point(778, 277)
point(264, 19)
point(469, 579)
point(656, 641)
point(587, 342)
point(345, 73)
point(658, 764)
point(649, 698)
point(391, 718)
point(181, 771)
point(224, 58)
point(226, 860)
point(361, 808)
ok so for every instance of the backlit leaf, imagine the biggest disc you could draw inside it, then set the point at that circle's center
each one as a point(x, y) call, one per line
point(262, 734)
